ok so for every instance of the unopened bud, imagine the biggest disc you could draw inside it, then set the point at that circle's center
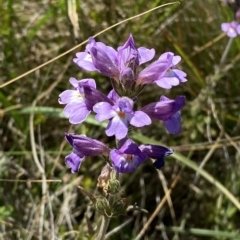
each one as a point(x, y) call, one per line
point(113, 186)
point(102, 206)
point(119, 207)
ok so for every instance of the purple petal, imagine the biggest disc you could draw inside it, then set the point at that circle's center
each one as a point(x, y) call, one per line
point(232, 33)
point(111, 52)
point(74, 82)
point(128, 55)
point(88, 82)
point(76, 112)
point(154, 71)
point(86, 146)
point(167, 82)
point(77, 95)
point(93, 96)
point(70, 96)
point(140, 119)
point(173, 124)
point(73, 161)
point(145, 54)
point(127, 77)
point(166, 56)
point(234, 24)
point(165, 108)
point(169, 55)
point(103, 62)
point(180, 75)
point(159, 163)
point(125, 104)
point(225, 26)
point(117, 127)
point(125, 163)
point(84, 61)
point(90, 147)
point(113, 96)
point(179, 102)
point(238, 29)
point(128, 146)
point(176, 60)
point(103, 111)
point(128, 44)
point(156, 152)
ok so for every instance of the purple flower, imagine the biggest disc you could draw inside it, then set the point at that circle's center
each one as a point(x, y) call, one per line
point(128, 157)
point(110, 62)
point(128, 59)
point(154, 71)
point(98, 57)
point(120, 115)
point(83, 146)
point(156, 152)
point(93, 96)
point(232, 29)
point(76, 109)
point(122, 65)
point(167, 110)
point(172, 76)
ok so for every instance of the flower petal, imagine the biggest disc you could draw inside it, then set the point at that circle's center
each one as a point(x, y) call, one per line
point(140, 119)
point(73, 81)
point(173, 124)
point(70, 96)
point(164, 108)
point(76, 112)
point(180, 75)
point(225, 26)
point(86, 146)
point(113, 96)
point(93, 96)
point(103, 62)
point(156, 152)
point(145, 54)
point(154, 71)
point(169, 55)
point(84, 61)
point(73, 161)
point(117, 127)
point(103, 111)
point(167, 82)
point(124, 163)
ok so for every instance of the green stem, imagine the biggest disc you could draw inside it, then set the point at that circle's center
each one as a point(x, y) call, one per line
point(106, 219)
point(103, 228)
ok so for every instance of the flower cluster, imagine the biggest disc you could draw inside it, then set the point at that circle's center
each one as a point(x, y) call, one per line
point(128, 78)
point(232, 29)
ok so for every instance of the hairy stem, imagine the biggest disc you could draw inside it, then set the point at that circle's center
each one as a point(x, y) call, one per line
point(103, 228)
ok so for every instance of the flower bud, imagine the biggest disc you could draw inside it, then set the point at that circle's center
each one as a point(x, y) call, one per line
point(119, 207)
point(113, 186)
point(102, 206)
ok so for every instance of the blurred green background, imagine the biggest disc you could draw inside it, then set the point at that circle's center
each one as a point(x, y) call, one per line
point(32, 145)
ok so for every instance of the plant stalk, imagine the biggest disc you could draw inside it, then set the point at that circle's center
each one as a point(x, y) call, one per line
point(103, 228)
